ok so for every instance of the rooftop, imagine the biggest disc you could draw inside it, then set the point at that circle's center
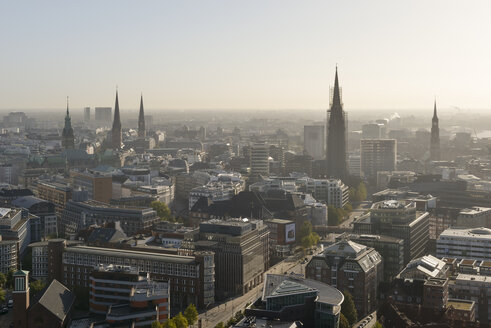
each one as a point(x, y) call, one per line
point(460, 304)
point(482, 233)
point(132, 254)
point(280, 285)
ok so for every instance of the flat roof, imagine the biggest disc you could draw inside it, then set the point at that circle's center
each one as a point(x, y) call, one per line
point(181, 259)
point(481, 233)
point(461, 304)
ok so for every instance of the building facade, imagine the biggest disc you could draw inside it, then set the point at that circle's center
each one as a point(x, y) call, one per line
point(378, 155)
point(314, 141)
point(464, 243)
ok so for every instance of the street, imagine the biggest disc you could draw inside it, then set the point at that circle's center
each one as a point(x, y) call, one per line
point(358, 211)
point(224, 311)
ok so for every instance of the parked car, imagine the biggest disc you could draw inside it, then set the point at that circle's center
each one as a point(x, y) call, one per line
point(4, 310)
point(10, 303)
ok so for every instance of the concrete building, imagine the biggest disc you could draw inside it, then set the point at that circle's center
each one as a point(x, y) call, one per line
point(86, 114)
point(191, 278)
point(103, 115)
point(132, 297)
point(474, 288)
point(9, 174)
point(98, 185)
point(349, 266)
point(55, 192)
point(44, 210)
point(391, 249)
point(241, 253)
point(354, 165)
point(259, 161)
point(378, 155)
point(371, 131)
point(474, 217)
point(332, 191)
point(281, 237)
point(464, 243)
point(80, 215)
point(15, 225)
point(399, 219)
point(314, 141)
point(292, 298)
point(8, 255)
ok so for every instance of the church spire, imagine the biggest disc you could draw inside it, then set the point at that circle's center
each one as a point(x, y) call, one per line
point(116, 131)
point(435, 137)
point(336, 95)
point(141, 120)
point(336, 135)
point(68, 139)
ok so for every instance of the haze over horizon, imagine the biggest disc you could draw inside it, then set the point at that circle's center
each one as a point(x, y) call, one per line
point(255, 55)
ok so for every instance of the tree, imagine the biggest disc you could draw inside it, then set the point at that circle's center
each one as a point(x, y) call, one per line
point(156, 324)
point(378, 325)
point(36, 286)
point(348, 308)
point(2, 295)
point(220, 325)
point(10, 279)
point(191, 314)
point(343, 322)
point(169, 324)
point(180, 321)
point(306, 229)
point(3, 279)
point(162, 210)
point(361, 192)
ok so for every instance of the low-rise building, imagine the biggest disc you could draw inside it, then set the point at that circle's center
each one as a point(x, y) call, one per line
point(281, 237)
point(460, 243)
point(294, 298)
point(79, 215)
point(124, 295)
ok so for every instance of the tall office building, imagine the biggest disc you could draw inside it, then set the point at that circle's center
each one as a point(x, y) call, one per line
point(336, 135)
point(371, 131)
point(259, 161)
point(141, 121)
point(117, 136)
point(87, 114)
point(435, 137)
point(68, 140)
point(378, 155)
point(103, 114)
point(314, 141)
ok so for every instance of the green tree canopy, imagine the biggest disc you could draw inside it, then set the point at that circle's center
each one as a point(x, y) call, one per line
point(306, 229)
point(343, 322)
point(2, 295)
point(36, 286)
point(156, 324)
point(378, 325)
point(169, 324)
point(191, 314)
point(10, 279)
point(163, 211)
point(3, 279)
point(220, 325)
point(180, 321)
point(348, 308)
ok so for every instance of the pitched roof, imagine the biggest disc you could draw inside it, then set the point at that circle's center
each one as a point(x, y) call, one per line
point(57, 299)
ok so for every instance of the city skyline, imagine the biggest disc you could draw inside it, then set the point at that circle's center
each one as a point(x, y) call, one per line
point(218, 55)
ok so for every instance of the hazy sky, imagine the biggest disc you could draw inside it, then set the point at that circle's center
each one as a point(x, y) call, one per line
point(245, 54)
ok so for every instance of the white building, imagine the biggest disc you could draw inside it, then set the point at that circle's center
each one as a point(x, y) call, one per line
point(462, 243)
point(332, 191)
point(474, 217)
point(314, 141)
point(354, 165)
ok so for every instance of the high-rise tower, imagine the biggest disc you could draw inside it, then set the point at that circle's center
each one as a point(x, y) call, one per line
point(435, 137)
point(336, 135)
point(141, 121)
point(67, 138)
point(116, 131)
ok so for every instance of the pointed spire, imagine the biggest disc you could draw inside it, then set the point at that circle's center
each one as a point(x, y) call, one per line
point(434, 110)
point(117, 119)
point(141, 120)
point(336, 95)
point(67, 110)
point(142, 115)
